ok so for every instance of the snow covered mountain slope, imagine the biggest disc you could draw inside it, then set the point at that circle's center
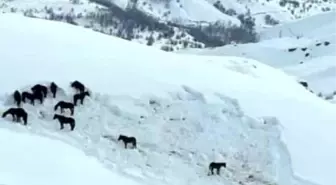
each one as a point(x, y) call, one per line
point(185, 110)
point(40, 160)
point(314, 27)
point(310, 58)
point(172, 24)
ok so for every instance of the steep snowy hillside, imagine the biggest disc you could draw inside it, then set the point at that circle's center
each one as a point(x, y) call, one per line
point(172, 24)
point(311, 57)
point(185, 111)
point(33, 160)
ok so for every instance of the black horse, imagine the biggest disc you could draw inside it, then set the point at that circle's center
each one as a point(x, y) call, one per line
point(40, 88)
point(304, 84)
point(216, 166)
point(32, 96)
point(78, 86)
point(127, 140)
point(53, 89)
point(17, 98)
point(65, 105)
point(80, 97)
point(65, 120)
point(17, 114)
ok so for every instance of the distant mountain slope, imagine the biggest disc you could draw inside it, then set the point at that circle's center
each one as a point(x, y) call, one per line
point(172, 24)
point(305, 48)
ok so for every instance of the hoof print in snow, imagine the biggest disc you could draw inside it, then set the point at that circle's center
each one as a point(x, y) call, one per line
point(326, 43)
point(148, 165)
point(142, 117)
point(291, 49)
point(176, 119)
point(318, 44)
point(307, 55)
point(153, 102)
point(303, 49)
point(301, 62)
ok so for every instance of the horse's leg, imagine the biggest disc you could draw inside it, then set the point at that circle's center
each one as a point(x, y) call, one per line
point(25, 120)
point(82, 99)
point(72, 111)
point(125, 144)
point(62, 110)
point(218, 171)
point(72, 125)
point(212, 170)
point(62, 126)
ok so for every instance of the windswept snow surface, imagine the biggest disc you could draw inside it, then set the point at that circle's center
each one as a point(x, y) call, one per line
point(313, 27)
point(193, 118)
point(28, 159)
point(318, 69)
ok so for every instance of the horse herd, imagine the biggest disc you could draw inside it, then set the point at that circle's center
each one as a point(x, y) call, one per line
point(39, 92)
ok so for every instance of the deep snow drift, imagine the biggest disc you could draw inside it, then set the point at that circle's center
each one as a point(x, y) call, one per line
point(34, 160)
point(192, 120)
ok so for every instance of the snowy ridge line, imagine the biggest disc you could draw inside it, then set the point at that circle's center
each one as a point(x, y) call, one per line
point(88, 136)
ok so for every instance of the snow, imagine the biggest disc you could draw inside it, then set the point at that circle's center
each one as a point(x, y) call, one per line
point(317, 26)
point(207, 108)
point(186, 11)
point(34, 160)
point(318, 69)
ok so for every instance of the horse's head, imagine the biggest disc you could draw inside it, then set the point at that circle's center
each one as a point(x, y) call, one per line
point(55, 116)
point(120, 137)
point(86, 93)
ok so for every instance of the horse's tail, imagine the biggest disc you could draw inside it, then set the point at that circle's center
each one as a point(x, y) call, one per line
point(23, 96)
